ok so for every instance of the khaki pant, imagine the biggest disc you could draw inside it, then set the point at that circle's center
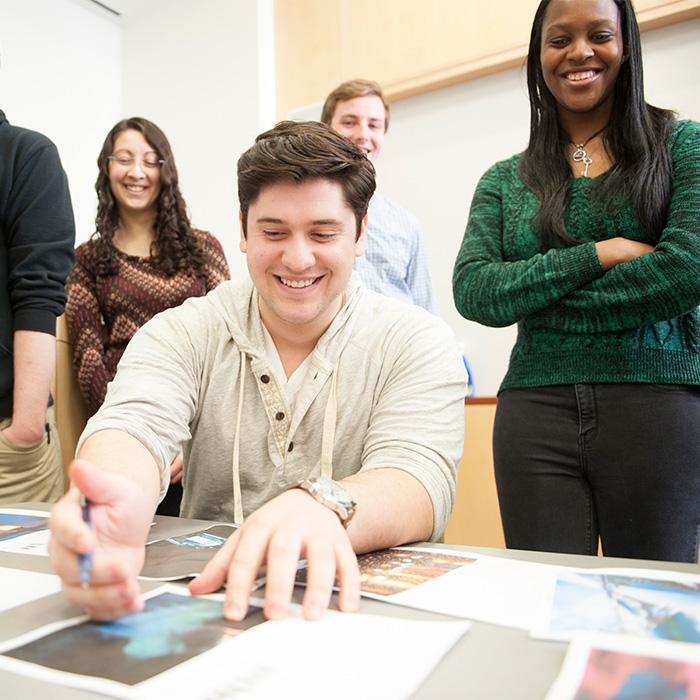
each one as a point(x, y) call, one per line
point(31, 473)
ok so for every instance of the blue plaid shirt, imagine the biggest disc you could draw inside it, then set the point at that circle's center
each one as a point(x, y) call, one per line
point(396, 261)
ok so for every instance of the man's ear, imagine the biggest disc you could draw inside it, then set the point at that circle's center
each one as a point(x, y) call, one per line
point(360, 242)
point(243, 243)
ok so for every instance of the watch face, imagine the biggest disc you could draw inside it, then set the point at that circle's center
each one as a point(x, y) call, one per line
point(339, 494)
point(331, 494)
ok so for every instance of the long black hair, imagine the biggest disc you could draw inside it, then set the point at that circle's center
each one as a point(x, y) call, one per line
point(175, 246)
point(636, 137)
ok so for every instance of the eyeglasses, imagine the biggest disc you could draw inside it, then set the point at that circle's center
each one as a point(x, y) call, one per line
point(126, 160)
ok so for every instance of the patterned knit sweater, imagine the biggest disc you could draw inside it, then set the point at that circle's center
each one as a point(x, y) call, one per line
point(104, 312)
point(637, 322)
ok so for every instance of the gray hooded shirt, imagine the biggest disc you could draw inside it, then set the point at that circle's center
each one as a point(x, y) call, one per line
point(385, 388)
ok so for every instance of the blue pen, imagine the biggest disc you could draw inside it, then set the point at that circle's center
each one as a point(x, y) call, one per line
point(85, 560)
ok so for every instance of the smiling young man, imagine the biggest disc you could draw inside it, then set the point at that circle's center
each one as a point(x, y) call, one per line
point(323, 418)
point(396, 261)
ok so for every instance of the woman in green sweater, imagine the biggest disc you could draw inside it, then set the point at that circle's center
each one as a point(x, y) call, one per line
point(590, 241)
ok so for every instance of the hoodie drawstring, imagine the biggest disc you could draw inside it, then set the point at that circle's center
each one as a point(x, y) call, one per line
point(329, 420)
point(237, 498)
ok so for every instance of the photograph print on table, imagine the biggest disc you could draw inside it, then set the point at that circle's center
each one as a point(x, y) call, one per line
point(603, 667)
point(629, 602)
point(24, 531)
point(173, 629)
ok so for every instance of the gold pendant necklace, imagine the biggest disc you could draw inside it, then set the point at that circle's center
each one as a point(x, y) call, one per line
point(580, 156)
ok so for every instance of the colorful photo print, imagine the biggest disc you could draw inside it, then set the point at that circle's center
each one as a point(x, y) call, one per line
point(618, 604)
point(613, 675)
point(181, 557)
point(615, 667)
point(172, 629)
point(391, 571)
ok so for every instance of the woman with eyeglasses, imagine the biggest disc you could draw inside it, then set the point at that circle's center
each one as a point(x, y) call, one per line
point(143, 258)
point(589, 240)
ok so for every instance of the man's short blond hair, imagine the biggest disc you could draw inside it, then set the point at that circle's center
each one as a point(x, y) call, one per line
point(349, 90)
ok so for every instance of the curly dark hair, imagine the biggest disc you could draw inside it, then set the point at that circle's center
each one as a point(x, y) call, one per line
point(175, 246)
point(637, 137)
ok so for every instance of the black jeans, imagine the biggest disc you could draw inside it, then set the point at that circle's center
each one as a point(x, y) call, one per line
point(617, 460)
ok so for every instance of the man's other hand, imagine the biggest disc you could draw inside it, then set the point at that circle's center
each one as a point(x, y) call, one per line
point(292, 526)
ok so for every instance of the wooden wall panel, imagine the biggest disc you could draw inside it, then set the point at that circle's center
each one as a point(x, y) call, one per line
point(405, 38)
point(307, 59)
point(476, 519)
point(411, 46)
point(69, 406)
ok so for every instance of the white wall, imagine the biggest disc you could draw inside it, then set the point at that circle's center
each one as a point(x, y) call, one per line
point(439, 144)
point(200, 70)
point(61, 75)
point(193, 70)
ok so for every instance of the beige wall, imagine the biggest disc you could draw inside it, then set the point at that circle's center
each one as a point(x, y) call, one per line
point(411, 46)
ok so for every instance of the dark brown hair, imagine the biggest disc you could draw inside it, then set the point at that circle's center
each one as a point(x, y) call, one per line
point(301, 151)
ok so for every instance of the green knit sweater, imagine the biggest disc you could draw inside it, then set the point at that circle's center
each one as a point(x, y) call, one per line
point(637, 322)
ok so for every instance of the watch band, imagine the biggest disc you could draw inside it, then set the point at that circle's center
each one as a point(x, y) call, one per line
point(331, 494)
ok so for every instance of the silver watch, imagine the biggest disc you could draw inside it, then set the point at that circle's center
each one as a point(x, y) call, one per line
point(332, 495)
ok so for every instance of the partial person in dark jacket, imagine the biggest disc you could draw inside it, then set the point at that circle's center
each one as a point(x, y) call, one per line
point(37, 238)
